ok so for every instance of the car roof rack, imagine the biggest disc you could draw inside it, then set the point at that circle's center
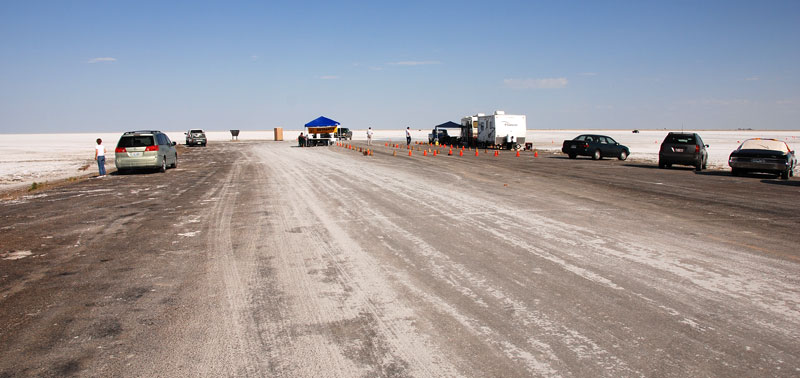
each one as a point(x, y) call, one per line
point(142, 132)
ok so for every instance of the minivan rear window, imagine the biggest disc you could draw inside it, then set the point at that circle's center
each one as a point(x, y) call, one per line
point(682, 139)
point(196, 131)
point(136, 141)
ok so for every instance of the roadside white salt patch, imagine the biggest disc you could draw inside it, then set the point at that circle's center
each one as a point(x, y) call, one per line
point(16, 255)
point(189, 234)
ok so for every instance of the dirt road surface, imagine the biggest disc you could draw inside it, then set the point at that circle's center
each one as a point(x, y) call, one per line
point(263, 259)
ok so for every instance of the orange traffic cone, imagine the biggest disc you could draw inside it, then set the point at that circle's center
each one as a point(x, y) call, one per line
point(535, 153)
point(386, 144)
point(425, 153)
point(394, 153)
point(409, 152)
point(450, 153)
point(517, 153)
point(461, 153)
point(476, 152)
point(496, 153)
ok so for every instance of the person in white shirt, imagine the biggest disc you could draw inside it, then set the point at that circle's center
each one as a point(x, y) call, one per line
point(369, 136)
point(100, 156)
point(408, 136)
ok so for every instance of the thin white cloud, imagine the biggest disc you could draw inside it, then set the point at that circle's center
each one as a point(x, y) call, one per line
point(415, 63)
point(102, 60)
point(752, 78)
point(788, 101)
point(545, 83)
point(329, 77)
point(720, 101)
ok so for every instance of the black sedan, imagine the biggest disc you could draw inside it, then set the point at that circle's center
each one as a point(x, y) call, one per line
point(763, 155)
point(596, 146)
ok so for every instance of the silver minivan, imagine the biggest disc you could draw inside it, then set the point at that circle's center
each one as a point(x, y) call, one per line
point(145, 149)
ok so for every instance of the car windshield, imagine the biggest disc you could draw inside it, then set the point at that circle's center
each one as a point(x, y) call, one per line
point(196, 131)
point(681, 139)
point(136, 141)
point(764, 144)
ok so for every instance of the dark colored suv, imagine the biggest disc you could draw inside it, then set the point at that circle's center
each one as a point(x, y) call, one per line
point(683, 149)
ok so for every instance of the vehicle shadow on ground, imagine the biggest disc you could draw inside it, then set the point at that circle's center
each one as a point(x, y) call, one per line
point(131, 173)
point(714, 173)
point(782, 182)
point(646, 166)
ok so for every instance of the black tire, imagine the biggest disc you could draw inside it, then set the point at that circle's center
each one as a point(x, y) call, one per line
point(596, 155)
point(661, 165)
point(163, 167)
point(785, 175)
point(572, 156)
point(622, 155)
point(175, 164)
point(698, 167)
point(735, 172)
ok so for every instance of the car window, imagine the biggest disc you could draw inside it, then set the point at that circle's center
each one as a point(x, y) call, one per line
point(764, 144)
point(196, 131)
point(611, 140)
point(136, 141)
point(681, 139)
point(602, 140)
point(589, 138)
point(166, 139)
point(580, 137)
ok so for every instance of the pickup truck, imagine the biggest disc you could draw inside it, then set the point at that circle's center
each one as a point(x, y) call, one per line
point(344, 133)
point(596, 146)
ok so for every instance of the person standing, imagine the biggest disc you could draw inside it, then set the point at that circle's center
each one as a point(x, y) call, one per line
point(408, 136)
point(100, 156)
point(301, 140)
point(369, 136)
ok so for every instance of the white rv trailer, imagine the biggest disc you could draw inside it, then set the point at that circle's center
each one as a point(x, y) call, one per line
point(494, 129)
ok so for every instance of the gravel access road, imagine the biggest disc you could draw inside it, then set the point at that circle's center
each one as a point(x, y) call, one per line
point(264, 259)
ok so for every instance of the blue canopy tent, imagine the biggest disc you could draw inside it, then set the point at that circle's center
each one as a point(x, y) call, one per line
point(321, 122)
point(323, 130)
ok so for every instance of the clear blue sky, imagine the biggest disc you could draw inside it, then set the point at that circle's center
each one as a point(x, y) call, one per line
point(82, 66)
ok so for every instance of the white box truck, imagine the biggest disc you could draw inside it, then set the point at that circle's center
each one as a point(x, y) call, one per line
point(496, 129)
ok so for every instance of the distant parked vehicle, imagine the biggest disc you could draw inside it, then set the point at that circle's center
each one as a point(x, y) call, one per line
point(596, 146)
point(195, 137)
point(763, 155)
point(344, 133)
point(145, 149)
point(683, 149)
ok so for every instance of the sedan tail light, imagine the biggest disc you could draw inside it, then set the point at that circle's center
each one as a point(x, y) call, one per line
point(120, 150)
point(151, 148)
point(696, 148)
point(586, 145)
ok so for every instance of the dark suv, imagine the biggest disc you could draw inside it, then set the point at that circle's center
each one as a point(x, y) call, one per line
point(683, 149)
point(195, 137)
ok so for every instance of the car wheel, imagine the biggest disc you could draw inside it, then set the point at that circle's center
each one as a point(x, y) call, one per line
point(596, 155)
point(661, 165)
point(623, 155)
point(572, 156)
point(175, 164)
point(785, 175)
point(698, 167)
point(163, 167)
point(736, 172)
